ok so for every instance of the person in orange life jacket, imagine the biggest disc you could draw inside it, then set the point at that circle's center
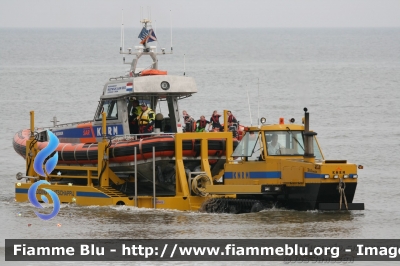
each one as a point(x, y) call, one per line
point(135, 111)
point(146, 119)
point(216, 125)
point(201, 124)
point(189, 121)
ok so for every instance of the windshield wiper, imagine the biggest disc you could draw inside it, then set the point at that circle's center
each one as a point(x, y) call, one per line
point(294, 138)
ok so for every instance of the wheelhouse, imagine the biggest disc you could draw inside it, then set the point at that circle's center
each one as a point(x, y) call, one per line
point(256, 144)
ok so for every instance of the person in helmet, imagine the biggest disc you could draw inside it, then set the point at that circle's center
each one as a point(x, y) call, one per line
point(134, 111)
point(146, 119)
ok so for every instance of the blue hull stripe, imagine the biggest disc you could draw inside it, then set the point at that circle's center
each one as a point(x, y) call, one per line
point(21, 190)
point(313, 175)
point(91, 194)
point(231, 175)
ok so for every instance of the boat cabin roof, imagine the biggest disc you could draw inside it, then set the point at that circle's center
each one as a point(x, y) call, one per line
point(155, 85)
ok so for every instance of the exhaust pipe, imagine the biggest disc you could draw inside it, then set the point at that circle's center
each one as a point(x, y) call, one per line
point(308, 137)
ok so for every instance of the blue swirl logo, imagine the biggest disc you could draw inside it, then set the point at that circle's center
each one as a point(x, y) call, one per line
point(43, 161)
point(43, 154)
point(32, 198)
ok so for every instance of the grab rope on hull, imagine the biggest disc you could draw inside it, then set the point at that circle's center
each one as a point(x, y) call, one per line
point(30, 154)
point(341, 187)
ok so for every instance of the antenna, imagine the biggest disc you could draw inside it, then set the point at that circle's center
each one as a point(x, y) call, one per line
point(248, 101)
point(258, 101)
point(170, 21)
point(184, 68)
point(121, 48)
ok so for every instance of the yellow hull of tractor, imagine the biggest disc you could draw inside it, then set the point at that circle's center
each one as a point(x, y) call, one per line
point(296, 182)
point(91, 196)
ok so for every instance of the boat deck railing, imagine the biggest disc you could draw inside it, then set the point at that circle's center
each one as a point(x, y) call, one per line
point(67, 124)
point(139, 136)
point(120, 77)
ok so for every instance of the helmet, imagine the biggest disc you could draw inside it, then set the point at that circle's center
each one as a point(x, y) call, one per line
point(159, 116)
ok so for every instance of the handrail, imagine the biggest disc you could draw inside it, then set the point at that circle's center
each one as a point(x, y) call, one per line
point(181, 180)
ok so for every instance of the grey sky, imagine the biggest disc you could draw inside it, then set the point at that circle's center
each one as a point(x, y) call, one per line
point(201, 14)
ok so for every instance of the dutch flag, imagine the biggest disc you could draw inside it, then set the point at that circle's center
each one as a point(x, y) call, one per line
point(129, 86)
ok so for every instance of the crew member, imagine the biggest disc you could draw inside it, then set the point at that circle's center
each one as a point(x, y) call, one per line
point(216, 125)
point(233, 124)
point(189, 122)
point(274, 147)
point(136, 110)
point(201, 124)
point(146, 119)
point(231, 119)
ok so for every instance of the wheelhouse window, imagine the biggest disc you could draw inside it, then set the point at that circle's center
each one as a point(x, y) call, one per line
point(288, 142)
point(317, 151)
point(284, 143)
point(248, 145)
point(110, 107)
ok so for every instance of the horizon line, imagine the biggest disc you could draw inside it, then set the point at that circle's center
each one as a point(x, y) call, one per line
point(212, 28)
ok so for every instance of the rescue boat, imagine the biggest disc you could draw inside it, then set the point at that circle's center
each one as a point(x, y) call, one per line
point(122, 149)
